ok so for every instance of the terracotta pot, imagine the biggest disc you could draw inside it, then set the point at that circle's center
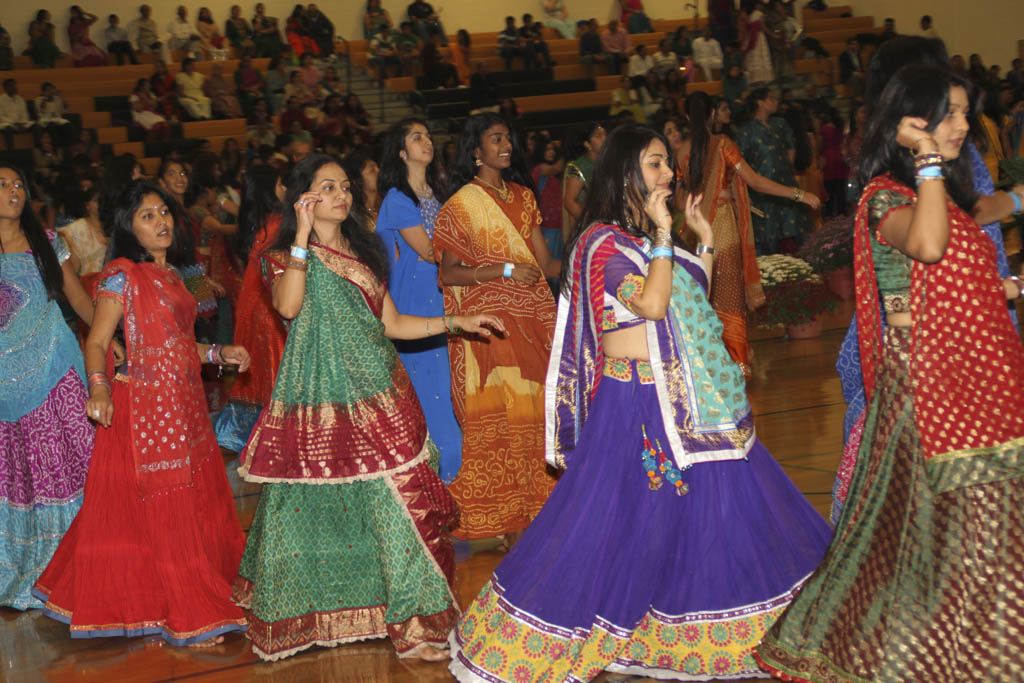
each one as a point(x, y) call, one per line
point(840, 283)
point(808, 330)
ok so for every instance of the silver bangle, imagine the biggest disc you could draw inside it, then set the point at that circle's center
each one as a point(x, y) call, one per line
point(704, 249)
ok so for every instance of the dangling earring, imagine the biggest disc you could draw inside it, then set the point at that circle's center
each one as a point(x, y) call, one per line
point(404, 156)
point(478, 163)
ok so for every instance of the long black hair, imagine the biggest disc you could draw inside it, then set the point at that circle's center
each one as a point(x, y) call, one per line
point(617, 192)
point(464, 169)
point(117, 175)
point(393, 171)
point(918, 90)
point(364, 243)
point(42, 251)
point(259, 202)
point(578, 142)
point(124, 243)
point(895, 54)
point(699, 109)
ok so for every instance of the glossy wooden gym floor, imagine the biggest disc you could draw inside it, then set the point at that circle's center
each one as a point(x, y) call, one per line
point(799, 414)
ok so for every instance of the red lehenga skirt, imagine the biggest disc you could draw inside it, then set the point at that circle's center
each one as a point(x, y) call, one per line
point(132, 567)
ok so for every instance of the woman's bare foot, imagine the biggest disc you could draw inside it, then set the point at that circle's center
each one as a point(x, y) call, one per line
point(208, 643)
point(429, 653)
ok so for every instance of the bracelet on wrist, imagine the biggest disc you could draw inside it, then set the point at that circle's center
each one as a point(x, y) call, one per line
point(704, 249)
point(297, 264)
point(298, 252)
point(797, 194)
point(509, 267)
point(1017, 201)
point(663, 252)
point(1020, 285)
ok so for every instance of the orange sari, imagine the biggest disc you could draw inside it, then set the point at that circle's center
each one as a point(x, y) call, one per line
point(736, 278)
point(498, 382)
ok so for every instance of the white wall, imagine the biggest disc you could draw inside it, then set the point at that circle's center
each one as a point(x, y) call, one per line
point(988, 27)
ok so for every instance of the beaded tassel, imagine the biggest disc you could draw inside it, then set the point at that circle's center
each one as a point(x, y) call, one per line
point(657, 463)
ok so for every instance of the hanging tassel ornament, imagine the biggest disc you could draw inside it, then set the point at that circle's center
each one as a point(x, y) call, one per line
point(660, 467)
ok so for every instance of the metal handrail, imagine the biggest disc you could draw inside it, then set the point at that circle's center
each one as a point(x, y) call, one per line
point(348, 64)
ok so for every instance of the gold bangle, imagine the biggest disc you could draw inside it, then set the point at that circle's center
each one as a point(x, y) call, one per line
point(297, 264)
point(428, 326)
point(475, 278)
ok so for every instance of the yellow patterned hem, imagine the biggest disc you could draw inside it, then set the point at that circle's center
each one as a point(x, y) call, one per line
point(494, 641)
point(622, 370)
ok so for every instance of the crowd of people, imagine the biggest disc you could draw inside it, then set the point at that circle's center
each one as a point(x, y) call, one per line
point(540, 339)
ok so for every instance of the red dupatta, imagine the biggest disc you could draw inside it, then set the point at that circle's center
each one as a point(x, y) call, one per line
point(169, 426)
point(966, 360)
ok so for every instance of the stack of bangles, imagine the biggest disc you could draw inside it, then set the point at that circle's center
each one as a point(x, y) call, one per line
point(299, 257)
point(663, 250)
point(215, 354)
point(928, 166)
point(97, 378)
point(1017, 202)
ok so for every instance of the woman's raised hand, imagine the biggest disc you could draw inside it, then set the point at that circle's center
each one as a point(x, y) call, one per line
point(304, 208)
point(656, 208)
point(696, 221)
point(912, 133)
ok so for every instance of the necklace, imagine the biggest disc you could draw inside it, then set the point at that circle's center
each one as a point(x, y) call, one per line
point(504, 193)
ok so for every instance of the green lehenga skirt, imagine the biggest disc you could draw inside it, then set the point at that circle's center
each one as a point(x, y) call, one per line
point(916, 585)
point(335, 563)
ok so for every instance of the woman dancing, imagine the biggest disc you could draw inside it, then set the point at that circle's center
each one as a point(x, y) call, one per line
point(673, 538)
point(922, 580)
point(494, 260)
point(157, 542)
point(413, 194)
point(349, 540)
point(45, 436)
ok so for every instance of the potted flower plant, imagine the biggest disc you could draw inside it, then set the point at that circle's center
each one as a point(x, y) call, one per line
point(795, 296)
point(829, 251)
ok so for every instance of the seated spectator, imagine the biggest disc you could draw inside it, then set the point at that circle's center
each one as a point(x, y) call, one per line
point(639, 64)
point(680, 42)
point(707, 54)
point(145, 112)
point(483, 90)
point(851, 71)
point(223, 94)
point(262, 134)
point(295, 32)
point(674, 87)
point(384, 53)
point(462, 57)
point(508, 109)
point(171, 106)
point(425, 21)
point(557, 17)
point(84, 52)
point(42, 46)
point(259, 114)
point(14, 116)
point(117, 41)
point(615, 43)
point(183, 34)
point(311, 75)
point(276, 79)
point(734, 87)
point(47, 163)
point(161, 82)
point(294, 111)
point(665, 59)
point(191, 94)
point(375, 18)
point(249, 83)
point(333, 122)
point(437, 69)
point(266, 37)
point(1015, 76)
point(531, 34)
point(977, 72)
point(298, 89)
point(627, 98)
point(591, 50)
point(332, 83)
point(511, 45)
point(6, 54)
point(633, 17)
point(357, 119)
point(144, 35)
point(408, 45)
point(238, 31)
point(209, 35)
point(50, 116)
point(320, 29)
point(888, 30)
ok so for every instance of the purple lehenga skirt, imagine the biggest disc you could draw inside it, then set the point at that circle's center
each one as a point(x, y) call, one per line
point(44, 458)
point(612, 575)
